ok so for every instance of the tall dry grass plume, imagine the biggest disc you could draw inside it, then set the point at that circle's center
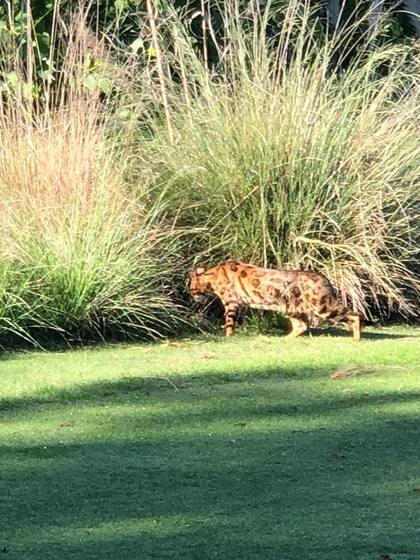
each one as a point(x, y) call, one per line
point(81, 256)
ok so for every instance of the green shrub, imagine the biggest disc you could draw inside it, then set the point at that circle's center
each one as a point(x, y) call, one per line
point(283, 160)
point(80, 255)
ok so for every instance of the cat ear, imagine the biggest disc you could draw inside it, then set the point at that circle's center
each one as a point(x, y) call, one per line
point(200, 270)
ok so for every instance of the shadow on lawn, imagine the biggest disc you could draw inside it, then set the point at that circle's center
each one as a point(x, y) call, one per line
point(127, 390)
point(366, 335)
point(18, 348)
point(323, 494)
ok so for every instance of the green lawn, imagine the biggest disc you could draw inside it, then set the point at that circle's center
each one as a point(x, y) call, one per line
point(237, 449)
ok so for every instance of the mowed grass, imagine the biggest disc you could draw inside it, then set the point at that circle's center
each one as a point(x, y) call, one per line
point(241, 448)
